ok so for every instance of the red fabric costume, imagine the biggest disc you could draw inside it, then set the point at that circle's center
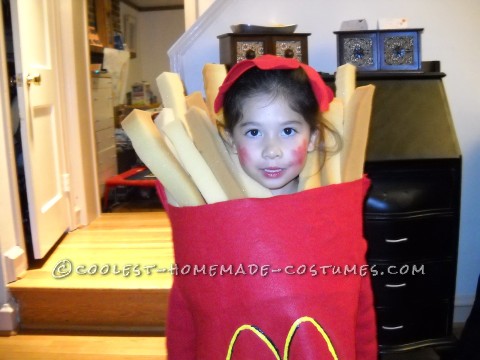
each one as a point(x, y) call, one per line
point(312, 233)
point(267, 263)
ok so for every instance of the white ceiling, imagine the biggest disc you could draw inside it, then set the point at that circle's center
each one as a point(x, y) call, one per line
point(146, 4)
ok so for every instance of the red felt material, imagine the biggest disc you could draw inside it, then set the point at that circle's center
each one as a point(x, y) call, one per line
point(315, 228)
point(323, 93)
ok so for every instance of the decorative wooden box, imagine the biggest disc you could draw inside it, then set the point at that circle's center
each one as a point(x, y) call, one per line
point(384, 50)
point(235, 47)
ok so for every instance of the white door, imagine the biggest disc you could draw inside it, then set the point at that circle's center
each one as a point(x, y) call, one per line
point(39, 98)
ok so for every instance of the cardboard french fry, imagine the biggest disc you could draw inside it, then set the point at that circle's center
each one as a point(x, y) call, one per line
point(194, 163)
point(196, 99)
point(331, 170)
point(355, 135)
point(172, 93)
point(213, 76)
point(164, 117)
point(345, 82)
point(212, 149)
point(149, 145)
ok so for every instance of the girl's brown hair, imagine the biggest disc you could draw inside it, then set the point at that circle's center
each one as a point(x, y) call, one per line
point(294, 87)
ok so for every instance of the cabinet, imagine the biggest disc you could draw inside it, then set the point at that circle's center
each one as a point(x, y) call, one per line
point(411, 224)
point(412, 210)
point(104, 128)
point(235, 47)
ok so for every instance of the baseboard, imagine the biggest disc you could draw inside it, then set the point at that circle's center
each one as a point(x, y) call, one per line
point(16, 263)
point(8, 319)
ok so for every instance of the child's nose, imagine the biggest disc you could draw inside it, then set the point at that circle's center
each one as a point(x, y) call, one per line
point(272, 150)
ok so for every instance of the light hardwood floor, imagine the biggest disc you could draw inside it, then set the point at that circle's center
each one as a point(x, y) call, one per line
point(114, 251)
point(120, 242)
point(81, 347)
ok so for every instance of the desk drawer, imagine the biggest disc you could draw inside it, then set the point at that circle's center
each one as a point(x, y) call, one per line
point(419, 237)
point(408, 325)
point(102, 104)
point(411, 191)
point(101, 83)
point(397, 284)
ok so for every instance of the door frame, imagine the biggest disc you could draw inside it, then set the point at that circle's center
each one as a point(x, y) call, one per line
point(79, 149)
point(79, 124)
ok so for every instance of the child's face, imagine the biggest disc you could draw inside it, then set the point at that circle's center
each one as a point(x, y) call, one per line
point(272, 142)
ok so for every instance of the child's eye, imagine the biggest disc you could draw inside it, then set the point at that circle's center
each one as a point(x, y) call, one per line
point(253, 133)
point(288, 131)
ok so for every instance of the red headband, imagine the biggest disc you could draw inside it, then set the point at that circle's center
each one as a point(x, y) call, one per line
point(323, 93)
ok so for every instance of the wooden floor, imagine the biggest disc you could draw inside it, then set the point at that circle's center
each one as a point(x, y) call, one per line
point(128, 250)
point(81, 347)
point(118, 253)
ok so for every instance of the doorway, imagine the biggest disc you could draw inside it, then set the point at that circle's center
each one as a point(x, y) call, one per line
point(156, 29)
point(83, 143)
point(16, 134)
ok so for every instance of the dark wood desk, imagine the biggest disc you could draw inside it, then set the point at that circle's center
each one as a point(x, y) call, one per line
point(412, 210)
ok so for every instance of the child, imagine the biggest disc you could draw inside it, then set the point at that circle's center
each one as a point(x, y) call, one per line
point(271, 108)
point(258, 278)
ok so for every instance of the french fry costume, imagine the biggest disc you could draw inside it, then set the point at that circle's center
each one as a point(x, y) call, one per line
point(315, 228)
point(280, 277)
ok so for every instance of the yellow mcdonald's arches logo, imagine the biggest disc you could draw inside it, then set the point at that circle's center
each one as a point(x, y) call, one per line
point(293, 329)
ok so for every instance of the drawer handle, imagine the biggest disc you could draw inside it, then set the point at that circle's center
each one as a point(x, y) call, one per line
point(395, 285)
point(399, 327)
point(289, 54)
point(250, 54)
point(396, 240)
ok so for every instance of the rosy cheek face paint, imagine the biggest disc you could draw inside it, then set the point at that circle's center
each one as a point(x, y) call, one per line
point(300, 153)
point(243, 155)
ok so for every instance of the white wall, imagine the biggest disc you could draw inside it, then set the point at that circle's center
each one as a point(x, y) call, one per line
point(193, 9)
point(134, 69)
point(450, 35)
point(156, 32)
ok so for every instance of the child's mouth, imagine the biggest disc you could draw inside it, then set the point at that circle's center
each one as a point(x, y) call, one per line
point(272, 172)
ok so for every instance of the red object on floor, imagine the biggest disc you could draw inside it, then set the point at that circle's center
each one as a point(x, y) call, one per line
point(127, 178)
